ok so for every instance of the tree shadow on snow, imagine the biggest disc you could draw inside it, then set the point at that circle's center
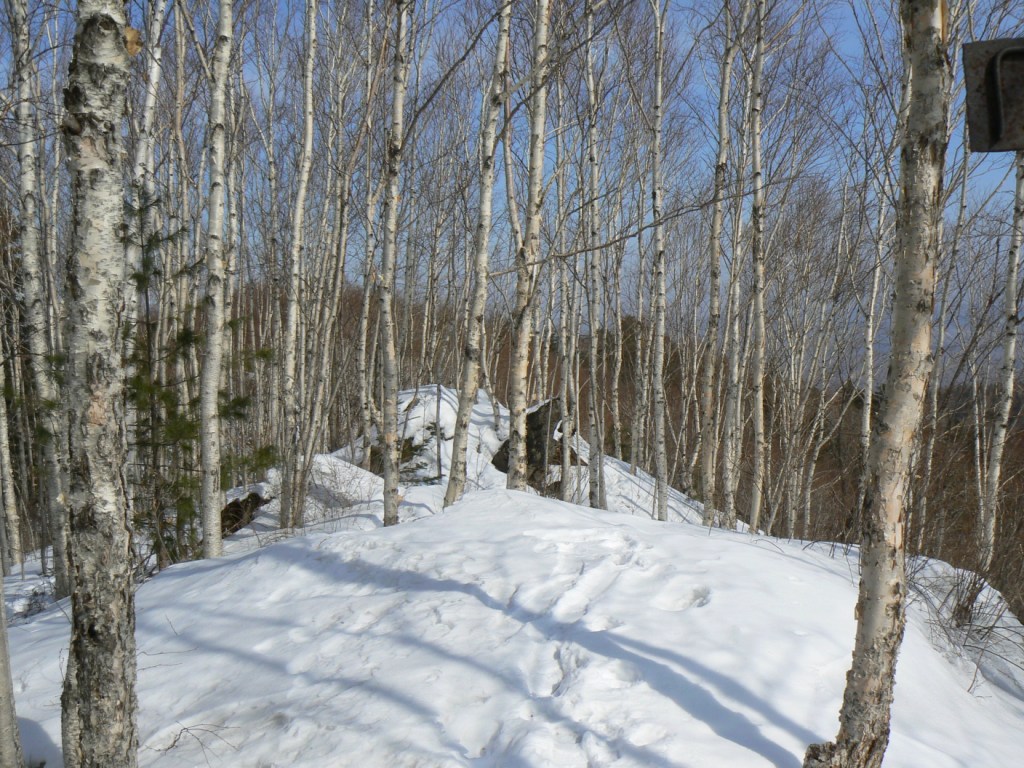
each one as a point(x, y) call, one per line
point(692, 686)
point(37, 746)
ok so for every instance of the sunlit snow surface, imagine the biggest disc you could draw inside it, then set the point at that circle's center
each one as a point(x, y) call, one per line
point(513, 631)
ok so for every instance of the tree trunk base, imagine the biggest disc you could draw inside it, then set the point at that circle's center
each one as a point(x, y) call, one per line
point(823, 756)
point(846, 755)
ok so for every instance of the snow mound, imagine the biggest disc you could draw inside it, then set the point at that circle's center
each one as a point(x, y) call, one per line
point(514, 631)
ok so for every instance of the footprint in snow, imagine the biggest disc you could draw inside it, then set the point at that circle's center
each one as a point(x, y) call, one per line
point(679, 594)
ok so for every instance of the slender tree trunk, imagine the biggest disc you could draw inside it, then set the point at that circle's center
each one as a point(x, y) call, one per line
point(212, 496)
point(595, 411)
point(638, 436)
point(997, 441)
point(884, 193)
point(709, 419)
point(527, 253)
point(292, 492)
point(869, 368)
point(615, 397)
point(478, 305)
point(10, 742)
point(757, 258)
point(143, 219)
point(921, 516)
point(364, 368)
point(389, 354)
point(99, 693)
point(143, 257)
point(864, 719)
point(658, 350)
point(365, 351)
point(979, 455)
point(734, 350)
point(566, 334)
point(921, 512)
point(274, 189)
point(37, 309)
point(181, 222)
point(11, 523)
point(732, 418)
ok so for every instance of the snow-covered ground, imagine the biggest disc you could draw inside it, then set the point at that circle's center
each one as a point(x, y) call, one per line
point(513, 631)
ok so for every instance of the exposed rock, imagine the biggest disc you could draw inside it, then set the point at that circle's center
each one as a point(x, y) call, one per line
point(542, 450)
point(239, 513)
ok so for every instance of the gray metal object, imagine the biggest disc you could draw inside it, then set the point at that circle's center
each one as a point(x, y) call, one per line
point(994, 73)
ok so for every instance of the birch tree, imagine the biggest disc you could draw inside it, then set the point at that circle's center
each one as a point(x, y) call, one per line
point(470, 381)
point(292, 493)
point(364, 370)
point(144, 264)
point(591, 195)
point(709, 419)
point(389, 247)
point(734, 351)
point(864, 718)
point(997, 441)
point(212, 496)
point(10, 742)
point(36, 298)
point(528, 251)
point(143, 177)
point(10, 526)
point(99, 689)
point(657, 196)
point(757, 249)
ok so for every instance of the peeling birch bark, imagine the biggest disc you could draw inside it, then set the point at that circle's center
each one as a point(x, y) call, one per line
point(99, 700)
point(864, 718)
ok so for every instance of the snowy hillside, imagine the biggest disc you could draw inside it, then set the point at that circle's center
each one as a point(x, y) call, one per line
point(512, 631)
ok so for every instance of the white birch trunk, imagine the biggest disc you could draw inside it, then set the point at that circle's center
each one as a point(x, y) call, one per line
point(733, 348)
point(363, 350)
point(884, 193)
point(363, 356)
point(614, 400)
point(864, 719)
point(11, 523)
point(99, 700)
point(470, 382)
point(731, 418)
point(566, 335)
point(10, 741)
point(997, 441)
point(292, 490)
point(921, 512)
point(638, 434)
point(388, 351)
point(658, 350)
point(37, 309)
point(757, 262)
point(143, 260)
point(595, 411)
point(527, 253)
point(979, 456)
point(869, 368)
point(928, 452)
point(211, 494)
point(143, 220)
point(709, 419)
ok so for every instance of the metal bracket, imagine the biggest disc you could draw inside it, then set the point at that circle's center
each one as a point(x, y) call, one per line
point(994, 72)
